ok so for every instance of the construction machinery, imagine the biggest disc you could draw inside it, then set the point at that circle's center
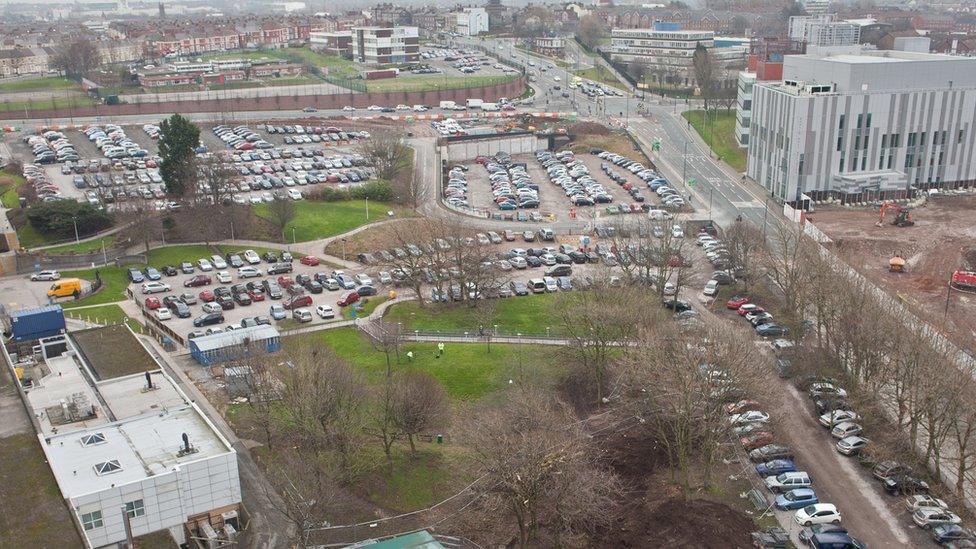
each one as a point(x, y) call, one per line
point(896, 264)
point(963, 280)
point(903, 215)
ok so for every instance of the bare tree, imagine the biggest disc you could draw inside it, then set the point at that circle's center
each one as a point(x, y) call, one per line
point(76, 58)
point(261, 385)
point(387, 151)
point(215, 180)
point(386, 337)
point(381, 422)
point(419, 404)
point(705, 70)
point(746, 248)
point(280, 212)
point(540, 472)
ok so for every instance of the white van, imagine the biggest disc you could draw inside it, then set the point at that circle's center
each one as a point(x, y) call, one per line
point(537, 285)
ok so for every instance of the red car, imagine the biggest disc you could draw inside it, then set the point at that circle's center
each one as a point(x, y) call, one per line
point(152, 303)
point(303, 300)
point(747, 308)
point(742, 406)
point(755, 440)
point(348, 299)
point(285, 281)
point(736, 302)
point(207, 296)
point(199, 280)
point(256, 294)
point(309, 260)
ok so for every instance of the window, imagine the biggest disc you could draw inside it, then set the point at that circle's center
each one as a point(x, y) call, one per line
point(860, 118)
point(93, 439)
point(896, 140)
point(135, 508)
point(864, 163)
point(869, 120)
point(108, 467)
point(884, 141)
point(840, 142)
point(921, 141)
point(865, 147)
point(891, 159)
point(91, 520)
point(857, 142)
point(841, 125)
point(911, 139)
point(961, 136)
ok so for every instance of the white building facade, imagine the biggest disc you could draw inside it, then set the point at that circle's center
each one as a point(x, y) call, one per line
point(382, 45)
point(743, 111)
point(883, 122)
point(670, 53)
point(822, 30)
point(472, 21)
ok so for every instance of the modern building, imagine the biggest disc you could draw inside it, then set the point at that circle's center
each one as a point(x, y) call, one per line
point(822, 30)
point(815, 7)
point(382, 45)
point(550, 46)
point(743, 107)
point(470, 21)
point(128, 449)
point(871, 123)
point(668, 53)
point(765, 63)
point(331, 43)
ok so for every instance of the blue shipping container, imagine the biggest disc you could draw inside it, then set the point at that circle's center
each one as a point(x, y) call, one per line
point(28, 324)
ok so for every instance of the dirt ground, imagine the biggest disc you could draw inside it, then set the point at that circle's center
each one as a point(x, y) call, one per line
point(944, 229)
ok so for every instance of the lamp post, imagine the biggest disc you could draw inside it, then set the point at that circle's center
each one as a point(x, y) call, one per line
point(74, 220)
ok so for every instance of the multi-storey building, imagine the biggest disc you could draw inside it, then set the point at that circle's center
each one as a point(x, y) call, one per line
point(550, 46)
point(381, 45)
point(669, 53)
point(815, 7)
point(470, 21)
point(765, 63)
point(332, 43)
point(822, 30)
point(883, 122)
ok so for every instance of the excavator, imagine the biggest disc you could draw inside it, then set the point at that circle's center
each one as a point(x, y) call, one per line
point(903, 216)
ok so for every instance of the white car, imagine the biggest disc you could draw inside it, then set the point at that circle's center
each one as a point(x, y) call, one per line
point(205, 265)
point(385, 278)
point(670, 288)
point(218, 262)
point(248, 272)
point(155, 287)
point(826, 389)
point(402, 107)
point(752, 416)
point(818, 513)
point(325, 311)
point(846, 429)
point(837, 417)
point(711, 288)
point(677, 231)
point(45, 275)
point(374, 108)
point(364, 280)
point(928, 517)
point(914, 503)
point(163, 313)
point(348, 108)
point(224, 277)
point(252, 257)
point(294, 194)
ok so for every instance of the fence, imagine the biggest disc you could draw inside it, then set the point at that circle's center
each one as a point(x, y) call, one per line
point(27, 262)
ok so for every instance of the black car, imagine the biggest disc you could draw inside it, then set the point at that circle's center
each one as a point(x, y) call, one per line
point(677, 305)
point(208, 319)
point(770, 452)
point(563, 259)
point(272, 289)
point(829, 404)
point(577, 257)
point(242, 299)
point(905, 485)
point(559, 270)
point(222, 291)
point(169, 270)
point(226, 302)
point(235, 261)
point(270, 257)
point(366, 290)
point(169, 300)
point(533, 261)
point(312, 286)
point(279, 268)
point(180, 309)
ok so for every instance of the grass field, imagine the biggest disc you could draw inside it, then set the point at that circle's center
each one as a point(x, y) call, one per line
point(430, 83)
point(8, 190)
point(371, 304)
point(27, 481)
point(412, 482)
point(336, 66)
point(528, 314)
point(466, 371)
point(56, 103)
point(114, 281)
point(46, 83)
point(601, 74)
point(104, 314)
point(718, 130)
point(314, 220)
point(82, 247)
point(29, 237)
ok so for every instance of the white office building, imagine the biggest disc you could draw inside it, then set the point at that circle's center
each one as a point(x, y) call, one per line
point(669, 54)
point(743, 110)
point(874, 123)
point(815, 7)
point(129, 449)
point(822, 30)
point(471, 21)
point(383, 45)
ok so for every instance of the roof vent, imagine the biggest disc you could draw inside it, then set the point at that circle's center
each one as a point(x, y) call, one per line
point(107, 467)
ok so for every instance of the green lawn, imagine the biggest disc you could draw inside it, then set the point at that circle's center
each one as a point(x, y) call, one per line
point(82, 247)
point(26, 480)
point(29, 237)
point(8, 192)
point(46, 83)
point(57, 103)
point(105, 314)
point(336, 66)
point(412, 482)
point(466, 371)
point(601, 74)
point(430, 83)
point(371, 304)
point(528, 314)
point(114, 281)
point(314, 220)
point(718, 130)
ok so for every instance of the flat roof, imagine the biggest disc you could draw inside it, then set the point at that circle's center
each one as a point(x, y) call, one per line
point(113, 351)
point(142, 447)
point(64, 384)
point(129, 397)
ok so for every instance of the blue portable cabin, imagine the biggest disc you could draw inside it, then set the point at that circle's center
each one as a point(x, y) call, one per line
point(235, 344)
point(31, 324)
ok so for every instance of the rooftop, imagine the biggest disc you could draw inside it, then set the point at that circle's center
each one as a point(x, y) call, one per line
point(113, 351)
point(114, 454)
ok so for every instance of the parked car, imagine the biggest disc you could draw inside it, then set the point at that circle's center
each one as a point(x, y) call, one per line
point(186, 267)
point(208, 319)
point(927, 517)
point(155, 287)
point(135, 275)
point(770, 451)
point(905, 485)
point(817, 513)
point(751, 416)
point(835, 540)
point(741, 406)
point(325, 311)
point(309, 260)
point(302, 315)
point(755, 440)
point(278, 312)
point(826, 389)
point(944, 533)
point(889, 468)
point(248, 272)
point(807, 533)
point(796, 499)
point(846, 429)
point(836, 417)
point(852, 446)
point(47, 276)
point(198, 280)
point(922, 501)
point(301, 300)
point(775, 467)
point(348, 299)
point(787, 481)
point(163, 314)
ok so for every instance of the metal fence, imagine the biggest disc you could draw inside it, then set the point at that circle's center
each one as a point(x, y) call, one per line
point(39, 260)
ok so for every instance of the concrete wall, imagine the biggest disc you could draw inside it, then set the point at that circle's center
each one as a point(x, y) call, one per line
point(468, 150)
point(281, 102)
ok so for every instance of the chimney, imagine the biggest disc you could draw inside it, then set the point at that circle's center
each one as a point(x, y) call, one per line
point(149, 384)
point(186, 444)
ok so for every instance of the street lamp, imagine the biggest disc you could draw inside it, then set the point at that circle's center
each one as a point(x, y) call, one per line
point(74, 220)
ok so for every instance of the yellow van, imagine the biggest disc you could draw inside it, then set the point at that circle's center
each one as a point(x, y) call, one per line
point(65, 287)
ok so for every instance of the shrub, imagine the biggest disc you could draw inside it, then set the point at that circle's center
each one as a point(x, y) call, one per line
point(58, 218)
point(378, 190)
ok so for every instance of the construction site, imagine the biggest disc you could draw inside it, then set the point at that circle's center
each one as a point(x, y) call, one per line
point(924, 255)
